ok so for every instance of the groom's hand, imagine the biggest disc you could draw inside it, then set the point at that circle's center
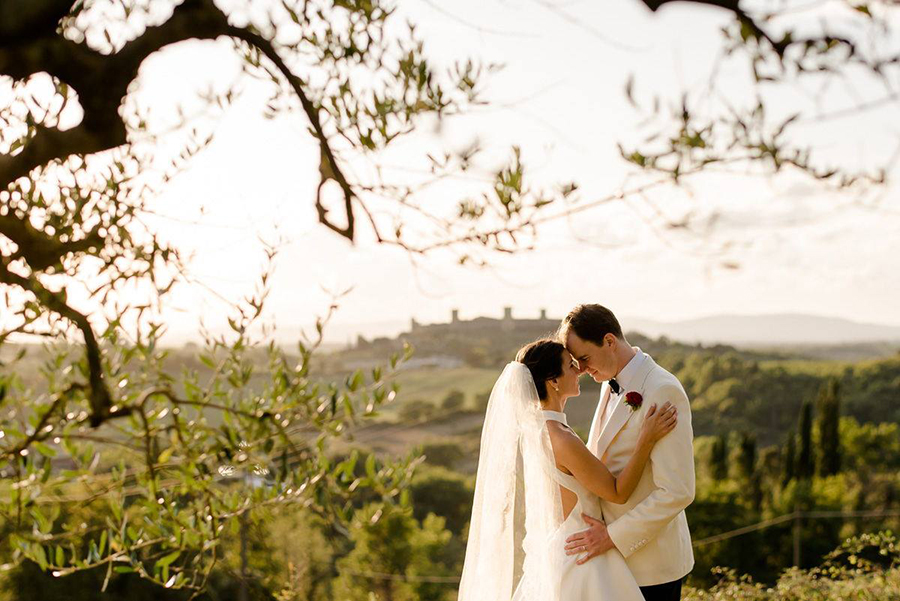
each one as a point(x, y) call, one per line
point(593, 541)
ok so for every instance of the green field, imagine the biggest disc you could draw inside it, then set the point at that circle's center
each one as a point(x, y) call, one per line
point(432, 385)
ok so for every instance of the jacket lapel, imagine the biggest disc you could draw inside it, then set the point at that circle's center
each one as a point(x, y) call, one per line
point(622, 413)
point(612, 426)
point(596, 426)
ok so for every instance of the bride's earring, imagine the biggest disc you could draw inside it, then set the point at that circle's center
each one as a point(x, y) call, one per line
point(555, 386)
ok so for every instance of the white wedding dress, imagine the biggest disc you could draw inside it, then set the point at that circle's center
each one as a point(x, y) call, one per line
point(603, 578)
point(516, 545)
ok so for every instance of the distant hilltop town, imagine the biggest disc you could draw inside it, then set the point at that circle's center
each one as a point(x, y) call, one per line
point(506, 323)
point(479, 341)
point(477, 326)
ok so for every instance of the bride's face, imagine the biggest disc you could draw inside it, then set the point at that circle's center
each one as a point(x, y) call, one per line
point(568, 381)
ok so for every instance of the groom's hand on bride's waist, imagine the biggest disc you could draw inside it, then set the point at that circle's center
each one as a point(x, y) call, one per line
point(591, 542)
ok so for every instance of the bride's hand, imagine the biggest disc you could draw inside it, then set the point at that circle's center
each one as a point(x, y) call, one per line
point(658, 422)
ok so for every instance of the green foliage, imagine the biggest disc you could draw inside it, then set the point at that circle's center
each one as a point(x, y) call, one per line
point(720, 506)
point(869, 447)
point(289, 553)
point(718, 458)
point(723, 506)
point(416, 410)
point(864, 568)
point(745, 463)
point(746, 456)
point(442, 492)
point(190, 457)
point(391, 549)
point(867, 480)
point(789, 460)
point(443, 454)
point(798, 585)
point(28, 582)
point(732, 392)
point(805, 458)
point(829, 458)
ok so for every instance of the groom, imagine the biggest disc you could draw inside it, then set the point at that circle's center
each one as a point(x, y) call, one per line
point(650, 529)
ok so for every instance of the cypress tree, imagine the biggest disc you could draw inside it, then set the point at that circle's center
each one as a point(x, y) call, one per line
point(789, 461)
point(805, 463)
point(829, 408)
point(747, 455)
point(748, 472)
point(718, 458)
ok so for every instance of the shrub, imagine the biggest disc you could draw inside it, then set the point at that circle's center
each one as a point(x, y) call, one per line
point(443, 454)
point(454, 401)
point(415, 410)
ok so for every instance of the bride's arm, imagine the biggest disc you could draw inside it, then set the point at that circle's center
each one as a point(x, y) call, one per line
point(572, 454)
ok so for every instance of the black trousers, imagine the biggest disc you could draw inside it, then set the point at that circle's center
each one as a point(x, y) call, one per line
point(670, 591)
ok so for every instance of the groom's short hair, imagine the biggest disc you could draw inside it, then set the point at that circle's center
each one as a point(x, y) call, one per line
point(592, 323)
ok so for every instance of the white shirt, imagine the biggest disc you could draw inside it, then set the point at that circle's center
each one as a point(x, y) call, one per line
point(624, 378)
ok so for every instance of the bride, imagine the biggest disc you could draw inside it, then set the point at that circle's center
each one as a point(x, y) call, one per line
point(535, 479)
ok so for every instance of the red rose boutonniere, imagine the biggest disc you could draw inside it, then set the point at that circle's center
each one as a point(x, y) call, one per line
point(634, 400)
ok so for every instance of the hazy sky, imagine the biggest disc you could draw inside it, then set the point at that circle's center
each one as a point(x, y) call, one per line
point(560, 97)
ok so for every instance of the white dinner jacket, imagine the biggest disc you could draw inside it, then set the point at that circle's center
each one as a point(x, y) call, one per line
point(650, 529)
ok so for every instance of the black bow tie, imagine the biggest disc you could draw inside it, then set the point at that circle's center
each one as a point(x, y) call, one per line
point(614, 386)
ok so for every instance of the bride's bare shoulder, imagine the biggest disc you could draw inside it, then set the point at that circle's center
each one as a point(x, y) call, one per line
point(562, 435)
point(565, 444)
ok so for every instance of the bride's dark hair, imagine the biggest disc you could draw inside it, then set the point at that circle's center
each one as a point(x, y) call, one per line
point(544, 359)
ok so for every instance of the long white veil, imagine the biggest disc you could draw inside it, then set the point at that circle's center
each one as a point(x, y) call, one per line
point(517, 505)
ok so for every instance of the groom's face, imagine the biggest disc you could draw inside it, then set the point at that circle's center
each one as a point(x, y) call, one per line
point(597, 361)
